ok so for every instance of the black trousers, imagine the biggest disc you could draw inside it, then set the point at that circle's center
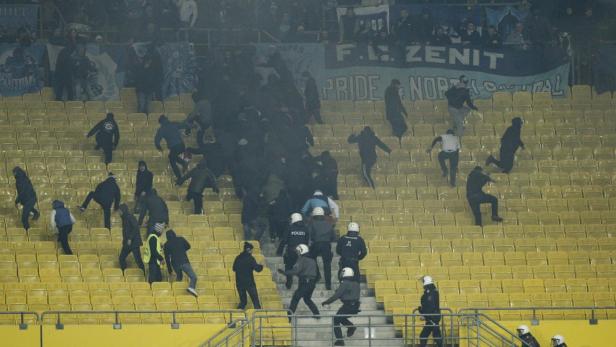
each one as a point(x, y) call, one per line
point(27, 208)
point(63, 84)
point(304, 291)
point(316, 113)
point(330, 185)
point(453, 158)
point(125, 251)
point(254, 296)
point(475, 202)
point(174, 159)
point(63, 238)
point(431, 328)
point(277, 227)
point(347, 308)
point(197, 201)
point(353, 264)
point(366, 169)
point(106, 209)
point(289, 259)
point(507, 155)
point(107, 151)
point(324, 250)
point(154, 273)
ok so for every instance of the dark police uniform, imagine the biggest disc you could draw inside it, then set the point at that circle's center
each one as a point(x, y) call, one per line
point(431, 309)
point(297, 234)
point(530, 340)
point(351, 248)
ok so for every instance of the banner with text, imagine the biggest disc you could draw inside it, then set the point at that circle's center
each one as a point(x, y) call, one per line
point(363, 72)
point(14, 16)
point(21, 69)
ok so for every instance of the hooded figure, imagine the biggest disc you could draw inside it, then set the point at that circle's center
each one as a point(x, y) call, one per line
point(457, 96)
point(131, 238)
point(244, 267)
point(177, 260)
point(476, 196)
point(200, 178)
point(430, 310)
point(170, 132)
point(311, 98)
point(26, 196)
point(510, 142)
point(327, 174)
point(367, 142)
point(156, 209)
point(62, 221)
point(107, 136)
point(394, 109)
point(107, 193)
point(143, 184)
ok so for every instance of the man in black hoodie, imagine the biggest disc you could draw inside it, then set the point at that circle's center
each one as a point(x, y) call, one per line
point(107, 136)
point(457, 96)
point(26, 196)
point(131, 238)
point(243, 266)
point(430, 310)
point(157, 210)
point(394, 109)
point(143, 185)
point(177, 260)
point(475, 195)
point(367, 142)
point(170, 132)
point(311, 98)
point(510, 142)
point(107, 193)
point(327, 174)
point(200, 178)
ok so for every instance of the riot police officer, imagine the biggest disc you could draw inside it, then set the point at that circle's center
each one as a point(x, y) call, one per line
point(297, 234)
point(305, 269)
point(525, 335)
point(351, 248)
point(322, 234)
point(430, 310)
point(558, 341)
point(348, 292)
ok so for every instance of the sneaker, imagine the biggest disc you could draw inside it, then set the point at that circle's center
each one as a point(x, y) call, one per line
point(192, 291)
point(497, 219)
point(444, 174)
point(240, 307)
point(489, 160)
point(36, 215)
point(351, 331)
point(82, 209)
point(339, 343)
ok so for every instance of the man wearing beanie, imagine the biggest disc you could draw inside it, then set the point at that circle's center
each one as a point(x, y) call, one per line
point(243, 266)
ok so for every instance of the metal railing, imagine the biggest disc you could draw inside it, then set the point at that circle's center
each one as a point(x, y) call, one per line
point(234, 335)
point(23, 322)
point(534, 310)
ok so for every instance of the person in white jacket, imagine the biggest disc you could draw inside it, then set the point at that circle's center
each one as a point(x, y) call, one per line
point(188, 11)
point(62, 221)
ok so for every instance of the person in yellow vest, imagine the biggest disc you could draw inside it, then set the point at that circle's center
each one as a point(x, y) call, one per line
point(153, 254)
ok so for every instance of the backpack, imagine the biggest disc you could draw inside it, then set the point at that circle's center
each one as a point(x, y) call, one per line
point(63, 217)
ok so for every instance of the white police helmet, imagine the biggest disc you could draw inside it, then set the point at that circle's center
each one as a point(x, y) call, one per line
point(558, 340)
point(523, 329)
point(353, 227)
point(427, 280)
point(302, 249)
point(296, 217)
point(347, 272)
point(318, 211)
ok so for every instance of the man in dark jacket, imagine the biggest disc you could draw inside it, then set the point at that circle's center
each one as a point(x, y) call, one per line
point(213, 153)
point(349, 293)
point(201, 115)
point(394, 109)
point(475, 195)
point(148, 79)
point(26, 196)
point(351, 248)
point(143, 185)
point(297, 234)
point(131, 238)
point(153, 255)
point(430, 310)
point(510, 142)
point(322, 234)
point(367, 142)
point(558, 341)
point(177, 260)
point(157, 210)
point(170, 132)
point(62, 220)
point(200, 178)
point(327, 174)
point(243, 266)
point(306, 270)
point(107, 136)
point(278, 214)
point(311, 98)
point(525, 335)
point(457, 96)
point(254, 215)
point(107, 193)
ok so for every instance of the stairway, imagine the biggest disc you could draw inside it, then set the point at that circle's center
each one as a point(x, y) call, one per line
point(318, 332)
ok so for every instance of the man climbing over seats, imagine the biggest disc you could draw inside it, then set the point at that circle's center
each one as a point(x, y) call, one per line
point(156, 209)
point(450, 150)
point(348, 292)
point(107, 136)
point(177, 260)
point(170, 132)
point(510, 142)
point(367, 142)
point(131, 239)
point(106, 194)
point(430, 311)
point(200, 178)
point(351, 248)
point(322, 234)
point(297, 234)
point(244, 267)
point(62, 221)
point(457, 96)
point(306, 270)
point(525, 335)
point(476, 196)
point(26, 196)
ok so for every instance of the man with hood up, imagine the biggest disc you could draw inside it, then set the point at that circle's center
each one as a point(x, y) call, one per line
point(170, 132)
point(328, 174)
point(367, 142)
point(62, 221)
point(131, 238)
point(200, 178)
point(430, 310)
point(26, 196)
point(107, 193)
point(394, 109)
point(510, 142)
point(107, 136)
point(244, 266)
point(177, 260)
point(311, 98)
point(457, 96)
point(156, 209)
point(143, 184)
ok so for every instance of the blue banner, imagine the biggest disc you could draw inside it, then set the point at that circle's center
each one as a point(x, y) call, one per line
point(21, 69)
point(352, 72)
point(13, 16)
